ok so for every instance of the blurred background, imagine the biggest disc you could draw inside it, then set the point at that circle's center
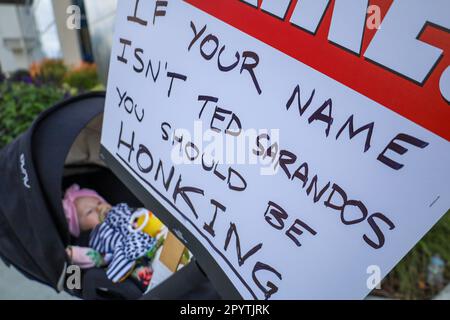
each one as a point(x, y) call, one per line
point(50, 50)
point(44, 60)
point(33, 30)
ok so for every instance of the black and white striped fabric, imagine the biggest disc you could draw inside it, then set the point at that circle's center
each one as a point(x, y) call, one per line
point(118, 243)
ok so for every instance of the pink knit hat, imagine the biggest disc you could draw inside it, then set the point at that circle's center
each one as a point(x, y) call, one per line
point(72, 193)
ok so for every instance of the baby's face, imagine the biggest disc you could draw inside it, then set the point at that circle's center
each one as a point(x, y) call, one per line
point(89, 210)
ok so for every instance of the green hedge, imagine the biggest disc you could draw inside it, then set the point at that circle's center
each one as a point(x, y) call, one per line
point(408, 279)
point(20, 103)
point(83, 78)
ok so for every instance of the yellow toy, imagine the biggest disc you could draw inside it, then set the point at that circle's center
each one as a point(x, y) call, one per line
point(145, 221)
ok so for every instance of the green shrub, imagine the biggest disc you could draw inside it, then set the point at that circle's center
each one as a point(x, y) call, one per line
point(83, 77)
point(408, 279)
point(49, 71)
point(20, 103)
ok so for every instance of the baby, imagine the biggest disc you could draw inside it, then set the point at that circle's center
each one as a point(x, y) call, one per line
point(112, 242)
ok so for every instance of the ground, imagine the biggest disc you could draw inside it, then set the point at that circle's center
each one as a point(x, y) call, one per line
point(14, 286)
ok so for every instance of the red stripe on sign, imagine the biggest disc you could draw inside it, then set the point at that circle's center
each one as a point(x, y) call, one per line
point(423, 105)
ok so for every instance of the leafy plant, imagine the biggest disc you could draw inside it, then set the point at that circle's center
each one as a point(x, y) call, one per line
point(84, 77)
point(408, 279)
point(26, 93)
point(20, 103)
point(49, 71)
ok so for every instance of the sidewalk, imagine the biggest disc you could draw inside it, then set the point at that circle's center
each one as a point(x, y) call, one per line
point(14, 286)
point(444, 294)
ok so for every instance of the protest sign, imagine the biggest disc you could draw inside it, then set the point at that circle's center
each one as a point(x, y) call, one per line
point(298, 148)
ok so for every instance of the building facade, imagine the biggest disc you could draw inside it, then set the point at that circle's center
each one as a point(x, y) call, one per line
point(33, 30)
point(19, 37)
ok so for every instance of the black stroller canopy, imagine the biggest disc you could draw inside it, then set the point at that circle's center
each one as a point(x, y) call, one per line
point(60, 148)
point(33, 230)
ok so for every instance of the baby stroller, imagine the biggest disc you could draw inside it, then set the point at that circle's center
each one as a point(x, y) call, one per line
point(61, 148)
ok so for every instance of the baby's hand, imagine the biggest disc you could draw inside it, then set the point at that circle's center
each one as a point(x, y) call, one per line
point(69, 253)
point(85, 257)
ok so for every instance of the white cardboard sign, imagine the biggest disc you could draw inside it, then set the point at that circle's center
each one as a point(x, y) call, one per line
point(306, 208)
